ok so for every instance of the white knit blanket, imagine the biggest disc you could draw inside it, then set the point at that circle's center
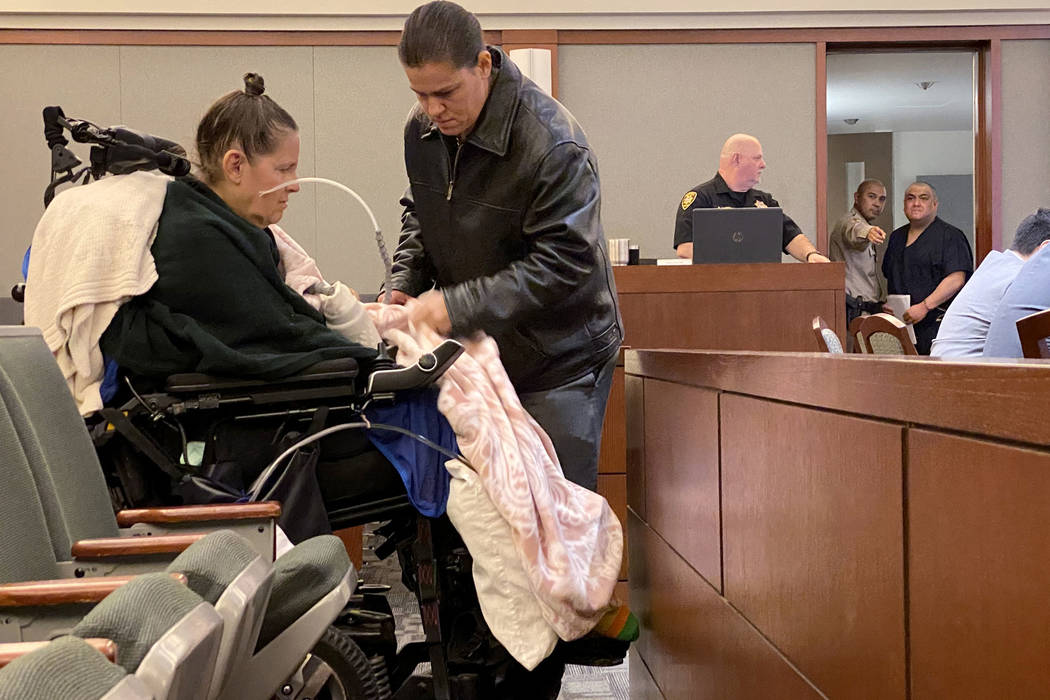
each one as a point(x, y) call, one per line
point(91, 252)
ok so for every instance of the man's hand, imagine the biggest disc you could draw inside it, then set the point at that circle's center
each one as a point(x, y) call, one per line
point(430, 309)
point(817, 258)
point(397, 297)
point(876, 235)
point(916, 313)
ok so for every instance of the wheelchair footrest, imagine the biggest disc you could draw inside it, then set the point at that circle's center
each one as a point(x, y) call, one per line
point(464, 686)
point(592, 651)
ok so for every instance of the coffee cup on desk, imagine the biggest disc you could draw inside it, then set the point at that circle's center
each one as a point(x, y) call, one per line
point(619, 249)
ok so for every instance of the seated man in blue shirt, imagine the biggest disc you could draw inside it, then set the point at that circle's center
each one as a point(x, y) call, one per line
point(1028, 293)
point(965, 325)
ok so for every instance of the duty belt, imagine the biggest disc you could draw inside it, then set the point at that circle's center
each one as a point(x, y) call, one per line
point(871, 307)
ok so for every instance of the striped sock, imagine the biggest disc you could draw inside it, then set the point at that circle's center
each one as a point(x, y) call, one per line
point(619, 623)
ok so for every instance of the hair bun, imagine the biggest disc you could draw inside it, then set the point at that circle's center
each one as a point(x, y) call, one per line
point(254, 84)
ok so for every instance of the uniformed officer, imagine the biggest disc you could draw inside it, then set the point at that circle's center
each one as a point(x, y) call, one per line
point(853, 240)
point(740, 166)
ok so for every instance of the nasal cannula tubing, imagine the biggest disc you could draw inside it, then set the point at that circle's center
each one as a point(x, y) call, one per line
point(375, 224)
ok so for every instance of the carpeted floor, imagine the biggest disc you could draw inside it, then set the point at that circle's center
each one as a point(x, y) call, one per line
point(579, 682)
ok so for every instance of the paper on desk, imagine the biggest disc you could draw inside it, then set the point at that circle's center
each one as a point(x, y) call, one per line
point(900, 303)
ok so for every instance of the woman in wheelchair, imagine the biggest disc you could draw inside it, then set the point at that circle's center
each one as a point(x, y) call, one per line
point(220, 304)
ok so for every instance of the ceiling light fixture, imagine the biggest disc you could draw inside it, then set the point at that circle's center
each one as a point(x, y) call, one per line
point(925, 84)
point(851, 121)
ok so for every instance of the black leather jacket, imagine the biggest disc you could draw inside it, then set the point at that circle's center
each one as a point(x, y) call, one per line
point(508, 226)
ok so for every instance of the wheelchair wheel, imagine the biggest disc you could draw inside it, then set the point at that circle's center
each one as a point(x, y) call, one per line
point(339, 670)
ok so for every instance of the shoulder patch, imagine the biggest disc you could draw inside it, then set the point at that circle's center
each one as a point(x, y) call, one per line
point(760, 204)
point(688, 199)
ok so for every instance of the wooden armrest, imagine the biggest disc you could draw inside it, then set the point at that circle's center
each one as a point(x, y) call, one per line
point(64, 591)
point(12, 650)
point(133, 546)
point(189, 514)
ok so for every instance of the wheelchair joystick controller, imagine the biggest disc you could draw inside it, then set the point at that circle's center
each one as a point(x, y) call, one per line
point(423, 373)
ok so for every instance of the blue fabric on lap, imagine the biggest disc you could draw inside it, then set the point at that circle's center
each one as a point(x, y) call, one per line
point(109, 380)
point(422, 468)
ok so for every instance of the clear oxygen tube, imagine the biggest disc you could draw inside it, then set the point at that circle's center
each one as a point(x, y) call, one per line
point(375, 225)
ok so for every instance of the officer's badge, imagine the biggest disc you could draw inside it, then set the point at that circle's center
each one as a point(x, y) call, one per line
point(688, 199)
point(760, 204)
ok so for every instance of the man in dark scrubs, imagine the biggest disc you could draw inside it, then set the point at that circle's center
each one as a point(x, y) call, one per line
point(929, 259)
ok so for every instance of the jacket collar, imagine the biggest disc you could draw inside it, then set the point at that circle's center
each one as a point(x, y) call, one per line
point(722, 187)
point(492, 130)
point(720, 184)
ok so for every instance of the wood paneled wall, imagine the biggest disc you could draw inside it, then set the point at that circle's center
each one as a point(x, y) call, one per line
point(825, 545)
point(731, 307)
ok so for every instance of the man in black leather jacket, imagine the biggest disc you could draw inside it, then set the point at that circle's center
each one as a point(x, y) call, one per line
point(502, 216)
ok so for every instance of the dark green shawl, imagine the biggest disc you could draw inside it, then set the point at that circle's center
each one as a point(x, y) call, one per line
point(220, 305)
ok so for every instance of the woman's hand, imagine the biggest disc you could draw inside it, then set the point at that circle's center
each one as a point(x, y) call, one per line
point(396, 297)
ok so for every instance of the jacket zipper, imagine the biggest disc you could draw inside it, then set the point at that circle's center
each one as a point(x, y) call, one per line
point(452, 172)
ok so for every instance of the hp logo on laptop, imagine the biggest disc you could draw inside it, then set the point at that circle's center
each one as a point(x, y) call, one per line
point(737, 237)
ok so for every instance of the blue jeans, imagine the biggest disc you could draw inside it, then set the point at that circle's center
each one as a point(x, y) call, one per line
point(572, 414)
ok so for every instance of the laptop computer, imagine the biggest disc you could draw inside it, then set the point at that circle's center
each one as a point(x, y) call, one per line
point(751, 235)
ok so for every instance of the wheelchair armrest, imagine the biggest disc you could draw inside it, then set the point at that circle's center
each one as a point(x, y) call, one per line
point(64, 591)
point(200, 513)
point(105, 547)
point(343, 369)
point(12, 650)
point(425, 372)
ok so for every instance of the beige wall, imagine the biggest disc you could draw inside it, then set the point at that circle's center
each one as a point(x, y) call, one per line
point(503, 7)
point(513, 14)
point(656, 133)
point(39, 80)
point(1026, 134)
point(657, 117)
point(349, 103)
point(876, 152)
point(654, 119)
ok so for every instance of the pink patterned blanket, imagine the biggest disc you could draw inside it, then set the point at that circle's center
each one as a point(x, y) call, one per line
point(568, 539)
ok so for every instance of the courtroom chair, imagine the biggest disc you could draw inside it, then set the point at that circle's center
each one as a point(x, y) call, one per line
point(69, 480)
point(854, 341)
point(72, 669)
point(228, 574)
point(1033, 330)
point(166, 635)
point(883, 334)
point(827, 341)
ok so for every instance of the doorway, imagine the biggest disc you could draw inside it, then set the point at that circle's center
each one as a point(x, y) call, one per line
point(901, 115)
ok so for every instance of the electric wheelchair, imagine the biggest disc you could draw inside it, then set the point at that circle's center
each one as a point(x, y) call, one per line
point(195, 438)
